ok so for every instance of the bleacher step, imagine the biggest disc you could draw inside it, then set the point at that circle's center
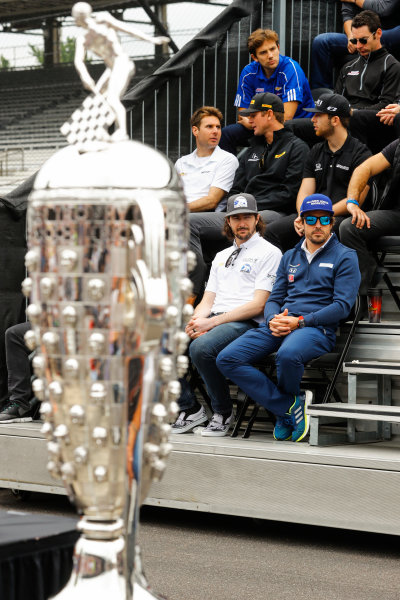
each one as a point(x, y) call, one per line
point(374, 367)
point(370, 412)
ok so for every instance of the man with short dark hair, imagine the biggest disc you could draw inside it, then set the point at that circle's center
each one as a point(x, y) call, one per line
point(371, 80)
point(207, 173)
point(240, 282)
point(316, 286)
point(271, 72)
point(330, 48)
point(271, 169)
point(328, 168)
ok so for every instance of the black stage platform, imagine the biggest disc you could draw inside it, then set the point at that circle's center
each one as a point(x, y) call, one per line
point(35, 554)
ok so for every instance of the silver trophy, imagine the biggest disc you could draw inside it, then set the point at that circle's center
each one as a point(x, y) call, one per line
point(107, 266)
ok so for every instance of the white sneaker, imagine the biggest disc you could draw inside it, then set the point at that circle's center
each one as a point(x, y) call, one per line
point(187, 421)
point(218, 426)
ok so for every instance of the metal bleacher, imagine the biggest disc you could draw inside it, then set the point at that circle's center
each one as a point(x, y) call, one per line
point(35, 104)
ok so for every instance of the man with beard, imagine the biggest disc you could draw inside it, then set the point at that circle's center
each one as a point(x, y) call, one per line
point(240, 282)
point(316, 286)
point(328, 168)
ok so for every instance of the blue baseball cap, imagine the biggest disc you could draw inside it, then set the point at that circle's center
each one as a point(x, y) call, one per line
point(316, 202)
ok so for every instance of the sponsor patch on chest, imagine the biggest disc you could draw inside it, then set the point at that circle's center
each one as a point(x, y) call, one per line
point(328, 265)
point(245, 268)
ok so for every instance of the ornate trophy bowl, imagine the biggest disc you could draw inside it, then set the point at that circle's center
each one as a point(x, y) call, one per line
point(107, 262)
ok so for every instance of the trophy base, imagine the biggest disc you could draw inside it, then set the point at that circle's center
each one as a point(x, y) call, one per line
point(99, 568)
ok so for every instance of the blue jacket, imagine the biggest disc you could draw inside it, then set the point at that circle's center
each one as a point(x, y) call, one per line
point(323, 292)
point(288, 81)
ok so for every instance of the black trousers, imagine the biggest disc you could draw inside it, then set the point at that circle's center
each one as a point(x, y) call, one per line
point(366, 126)
point(383, 222)
point(18, 367)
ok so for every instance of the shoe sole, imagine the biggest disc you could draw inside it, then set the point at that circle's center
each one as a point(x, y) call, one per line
point(190, 426)
point(17, 420)
point(282, 439)
point(214, 433)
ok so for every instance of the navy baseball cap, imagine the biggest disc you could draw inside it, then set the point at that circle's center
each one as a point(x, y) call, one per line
point(316, 202)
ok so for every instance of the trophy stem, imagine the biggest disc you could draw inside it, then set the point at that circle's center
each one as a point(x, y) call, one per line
point(98, 570)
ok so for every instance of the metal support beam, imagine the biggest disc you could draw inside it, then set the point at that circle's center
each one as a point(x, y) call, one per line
point(157, 23)
point(279, 20)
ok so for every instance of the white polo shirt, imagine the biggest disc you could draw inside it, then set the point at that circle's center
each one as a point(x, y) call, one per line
point(199, 173)
point(253, 269)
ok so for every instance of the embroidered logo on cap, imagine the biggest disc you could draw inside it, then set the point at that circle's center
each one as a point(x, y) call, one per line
point(317, 201)
point(240, 202)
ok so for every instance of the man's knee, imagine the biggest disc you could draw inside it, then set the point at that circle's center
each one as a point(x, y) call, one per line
point(15, 333)
point(347, 231)
point(225, 361)
point(320, 41)
point(200, 350)
point(288, 356)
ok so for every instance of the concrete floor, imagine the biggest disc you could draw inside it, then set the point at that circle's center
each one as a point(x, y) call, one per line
point(200, 556)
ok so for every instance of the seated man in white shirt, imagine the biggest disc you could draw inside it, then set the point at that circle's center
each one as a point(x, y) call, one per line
point(207, 173)
point(240, 282)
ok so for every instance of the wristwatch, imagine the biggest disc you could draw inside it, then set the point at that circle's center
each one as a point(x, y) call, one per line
point(301, 323)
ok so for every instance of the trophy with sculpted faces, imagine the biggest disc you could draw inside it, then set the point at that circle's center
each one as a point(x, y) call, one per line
point(107, 265)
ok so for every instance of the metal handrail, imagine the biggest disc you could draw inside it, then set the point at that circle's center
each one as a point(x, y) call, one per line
point(6, 154)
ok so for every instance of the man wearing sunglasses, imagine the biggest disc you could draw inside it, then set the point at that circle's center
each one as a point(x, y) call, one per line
point(316, 286)
point(370, 83)
point(371, 80)
point(334, 48)
point(240, 282)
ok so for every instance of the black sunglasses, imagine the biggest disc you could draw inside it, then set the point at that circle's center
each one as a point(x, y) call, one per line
point(230, 261)
point(311, 220)
point(362, 40)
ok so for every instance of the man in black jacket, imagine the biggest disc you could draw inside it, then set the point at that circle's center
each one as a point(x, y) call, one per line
point(370, 82)
point(335, 48)
point(271, 170)
point(327, 170)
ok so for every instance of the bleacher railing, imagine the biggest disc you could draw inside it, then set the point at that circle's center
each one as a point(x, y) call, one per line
point(206, 69)
point(5, 160)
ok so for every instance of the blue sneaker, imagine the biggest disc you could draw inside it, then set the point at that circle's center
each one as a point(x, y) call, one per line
point(283, 428)
point(299, 418)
